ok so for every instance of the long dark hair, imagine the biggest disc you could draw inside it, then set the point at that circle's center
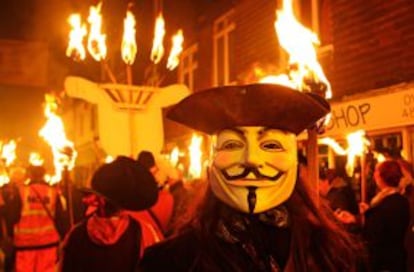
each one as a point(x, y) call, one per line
point(318, 241)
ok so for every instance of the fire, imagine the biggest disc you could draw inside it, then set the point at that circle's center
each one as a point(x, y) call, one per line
point(75, 47)
point(96, 40)
point(157, 51)
point(53, 132)
point(357, 143)
point(35, 159)
point(176, 49)
point(195, 167)
point(129, 45)
point(174, 156)
point(8, 152)
point(301, 47)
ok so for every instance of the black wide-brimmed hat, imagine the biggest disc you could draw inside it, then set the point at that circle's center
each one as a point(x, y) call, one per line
point(268, 105)
point(126, 183)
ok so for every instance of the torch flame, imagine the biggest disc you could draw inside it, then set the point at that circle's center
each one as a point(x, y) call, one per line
point(157, 51)
point(195, 167)
point(35, 159)
point(304, 65)
point(75, 47)
point(176, 49)
point(174, 156)
point(96, 40)
point(8, 152)
point(129, 45)
point(357, 143)
point(53, 132)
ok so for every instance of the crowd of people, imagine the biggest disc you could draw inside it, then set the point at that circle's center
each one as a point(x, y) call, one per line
point(255, 211)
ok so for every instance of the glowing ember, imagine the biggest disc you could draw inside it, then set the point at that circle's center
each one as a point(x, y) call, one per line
point(176, 49)
point(8, 152)
point(96, 40)
point(53, 132)
point(75, 47)
point(35, 159)
point(129, 45)
point(157, 51)
point(195, 167)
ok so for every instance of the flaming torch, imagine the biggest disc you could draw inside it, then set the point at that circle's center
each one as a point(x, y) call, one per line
point(176, 49)
point(195, 168)
point(357, 145)
point(7, 156)
point(64, 153)
point(304, 71)
point(75, 47)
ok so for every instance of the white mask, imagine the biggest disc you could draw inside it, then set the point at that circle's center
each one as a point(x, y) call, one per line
point(270, 154)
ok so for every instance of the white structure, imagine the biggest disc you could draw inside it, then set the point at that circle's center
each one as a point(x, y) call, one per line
point(129, 117)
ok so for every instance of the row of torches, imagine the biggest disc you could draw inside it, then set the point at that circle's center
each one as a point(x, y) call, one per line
point(96, 40)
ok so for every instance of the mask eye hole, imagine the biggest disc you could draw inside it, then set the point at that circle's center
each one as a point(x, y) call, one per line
point(272, 146)
point(231, 145)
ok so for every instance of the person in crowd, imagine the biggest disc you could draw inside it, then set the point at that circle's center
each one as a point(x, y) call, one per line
point(109, 239)
point(161, 212)
point(257, 214)
point(386, 220)
point(35, 235)
point(10, 212)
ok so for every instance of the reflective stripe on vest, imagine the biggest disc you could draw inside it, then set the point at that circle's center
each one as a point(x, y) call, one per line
point(35, 228)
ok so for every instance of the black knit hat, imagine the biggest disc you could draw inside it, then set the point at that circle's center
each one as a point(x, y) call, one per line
point(146, 158)
point(126, 183)
point(268, 105)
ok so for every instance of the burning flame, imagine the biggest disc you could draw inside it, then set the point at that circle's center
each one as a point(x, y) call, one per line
point(303, 62)
point(129, 45)
point(35, 159)
point(176, 49)
point(8, 152)
point(96, 40)
point(53, 132)
point(194, 149)
point(157, 51)
point(357, 143)
point(174, 156)
point(75, 47)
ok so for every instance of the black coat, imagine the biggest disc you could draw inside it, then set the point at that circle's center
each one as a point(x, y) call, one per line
point(384, 231)
point(81, 254)
point(187, 252)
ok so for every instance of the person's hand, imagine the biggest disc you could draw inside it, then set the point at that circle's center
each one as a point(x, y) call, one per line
point(345, 216)
point(363, 207)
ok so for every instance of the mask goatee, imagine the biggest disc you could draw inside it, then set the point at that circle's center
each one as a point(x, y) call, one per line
point(251, 198)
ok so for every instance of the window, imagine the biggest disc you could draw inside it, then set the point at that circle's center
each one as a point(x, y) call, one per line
point(188, 64)
point(223, 50)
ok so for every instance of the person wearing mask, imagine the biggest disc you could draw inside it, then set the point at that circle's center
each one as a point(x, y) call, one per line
point(36, 237)
point(257, 214)
point(386, 219)
point(109, 239)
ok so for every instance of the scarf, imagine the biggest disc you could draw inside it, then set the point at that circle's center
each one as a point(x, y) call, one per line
point(107, 230)
point(244, 230)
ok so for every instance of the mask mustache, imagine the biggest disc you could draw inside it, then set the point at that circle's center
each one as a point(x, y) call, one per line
point(249, 169)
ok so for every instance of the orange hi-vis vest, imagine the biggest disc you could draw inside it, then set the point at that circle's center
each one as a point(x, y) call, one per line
point(36, 228)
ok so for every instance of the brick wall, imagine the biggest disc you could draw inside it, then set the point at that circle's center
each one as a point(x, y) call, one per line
point(374, 44)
